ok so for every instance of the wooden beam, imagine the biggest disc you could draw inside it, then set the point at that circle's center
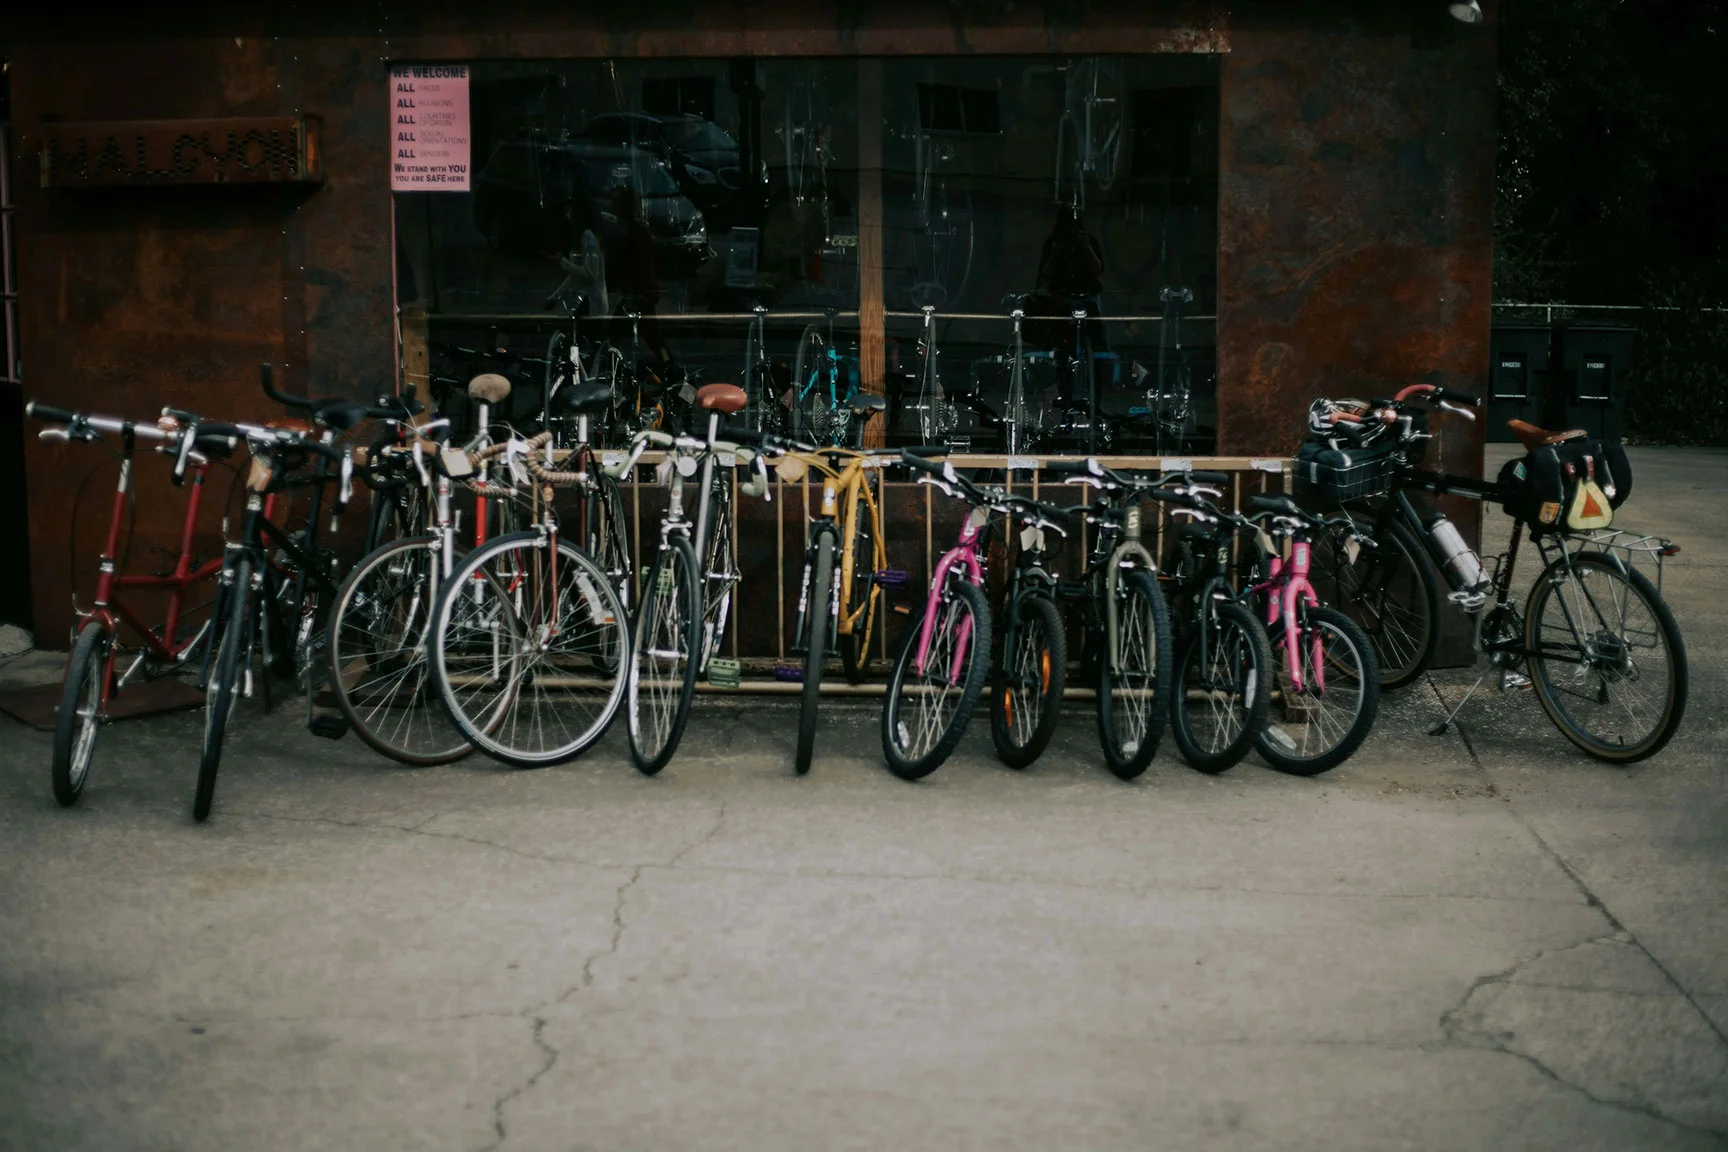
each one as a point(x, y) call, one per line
point(872, 334)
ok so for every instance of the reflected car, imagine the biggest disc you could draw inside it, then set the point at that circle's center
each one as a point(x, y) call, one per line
point(536, 196)
point(702, 157)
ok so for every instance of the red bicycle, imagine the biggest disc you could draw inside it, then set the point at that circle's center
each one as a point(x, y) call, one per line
point(90, 678)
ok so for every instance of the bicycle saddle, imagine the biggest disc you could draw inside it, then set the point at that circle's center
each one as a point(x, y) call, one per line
point(488, 388)
point(592, 396)
point(867, 402)
point(1282, 505)
point(727, 398)
point(338, 413)
point(1533, 437)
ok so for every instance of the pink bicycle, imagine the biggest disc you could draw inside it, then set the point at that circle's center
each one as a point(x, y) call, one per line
point(943, 661)
point(1327, 678)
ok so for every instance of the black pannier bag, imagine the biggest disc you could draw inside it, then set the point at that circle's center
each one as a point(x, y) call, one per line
point(1541, 488)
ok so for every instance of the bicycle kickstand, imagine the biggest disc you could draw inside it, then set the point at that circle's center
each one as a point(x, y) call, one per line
point(1446, 720)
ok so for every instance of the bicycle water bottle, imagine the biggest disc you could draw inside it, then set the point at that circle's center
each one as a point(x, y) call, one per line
point(1463, 568)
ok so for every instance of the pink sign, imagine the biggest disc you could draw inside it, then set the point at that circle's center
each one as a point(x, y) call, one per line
point(430, 115)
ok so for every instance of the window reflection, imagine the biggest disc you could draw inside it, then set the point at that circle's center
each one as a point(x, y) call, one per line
point(674, 197)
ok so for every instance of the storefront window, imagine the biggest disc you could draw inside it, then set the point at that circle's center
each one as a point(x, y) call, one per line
point(846, 197)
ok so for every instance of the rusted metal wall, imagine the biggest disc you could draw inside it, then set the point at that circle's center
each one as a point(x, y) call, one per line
point(1354, 199)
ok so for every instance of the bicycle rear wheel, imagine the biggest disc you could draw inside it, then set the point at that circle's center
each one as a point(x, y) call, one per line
point(819, 598)
point(379, 641)
point(526, 649)
point(811, 412)
point(1132, 698)
point(1308, 732)
point(78, 722)
point(663, 658)
point(1222, 685)
point(1391, 592)
point(1610, 666)
point(225, 684)
point(862, 593)
point(1027, 692)
point(926, 712)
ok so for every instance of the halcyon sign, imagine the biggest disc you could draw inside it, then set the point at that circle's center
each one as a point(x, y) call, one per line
point(254, 150)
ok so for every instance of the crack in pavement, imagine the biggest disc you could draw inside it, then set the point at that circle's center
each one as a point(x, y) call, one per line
point(719, 822)
point(537, 1013)
point(1459, 1033)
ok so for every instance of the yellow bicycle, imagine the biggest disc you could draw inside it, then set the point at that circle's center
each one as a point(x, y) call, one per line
point(839, 596)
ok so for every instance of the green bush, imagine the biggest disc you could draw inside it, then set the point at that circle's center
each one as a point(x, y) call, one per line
point(1678, 393)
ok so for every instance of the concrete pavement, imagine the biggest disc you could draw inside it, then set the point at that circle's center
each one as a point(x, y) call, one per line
point(1478, 940)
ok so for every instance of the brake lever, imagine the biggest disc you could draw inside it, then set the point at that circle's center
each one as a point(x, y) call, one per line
point(345, 492)
point(188, 434)
point(1459, 409)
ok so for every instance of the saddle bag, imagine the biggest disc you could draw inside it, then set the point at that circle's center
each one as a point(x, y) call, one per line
point(1573, 486)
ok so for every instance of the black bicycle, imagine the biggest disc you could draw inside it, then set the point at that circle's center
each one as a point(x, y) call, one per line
point(1595, 639)
point(1032, 670)
point(1127, 648)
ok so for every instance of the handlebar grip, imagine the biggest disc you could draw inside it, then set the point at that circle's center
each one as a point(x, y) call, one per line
point(267, 376)
point(1458, 397)
point(219, 431)
point(1282, 505)
point(928, 451)
point(1205, 477)
point(49, 415)
point(921, 463)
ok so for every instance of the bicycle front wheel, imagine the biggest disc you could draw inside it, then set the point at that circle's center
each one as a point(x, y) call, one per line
point(811, 411)
point(1028, 688)
point(224, 686)
point(1607, 660)
point(820, 600)
point(526, 647)
point(1219, 700)
point(1320, 727)
point(927, 709)
point(379, 640)
point(663, 658)
point(1391, 592)
point(1133, 696)
point(78, 721)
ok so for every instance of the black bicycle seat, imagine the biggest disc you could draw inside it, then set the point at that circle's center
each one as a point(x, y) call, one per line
point(584, 399)
point(865, 403)
point(1281, 505)
point(338, 413)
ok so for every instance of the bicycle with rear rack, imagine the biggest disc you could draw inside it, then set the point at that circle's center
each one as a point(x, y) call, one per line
point(1126, 621)
point(1595, 639)
point(1328, 682)
point(686, 608)
point(529, 635)
point(91, 682)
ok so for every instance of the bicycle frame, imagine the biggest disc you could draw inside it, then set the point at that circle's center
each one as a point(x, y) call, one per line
point(1287, 591)
point(965, 559)
point(111, 608)
point(851, 479)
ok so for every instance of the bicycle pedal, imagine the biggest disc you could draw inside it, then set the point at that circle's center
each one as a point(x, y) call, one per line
point(900, 609)
point(725, 673)
point(1510, 680)
point(789, 673)
point(893, 578)
point(331, 727)
point(1470, 600)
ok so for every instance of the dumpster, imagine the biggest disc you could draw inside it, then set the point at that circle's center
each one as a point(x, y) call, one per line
point(1595, 369)
point(1517, 376)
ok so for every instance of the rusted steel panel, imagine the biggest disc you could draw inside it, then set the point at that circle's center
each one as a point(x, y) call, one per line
point(1355, 213)
point(134, 153)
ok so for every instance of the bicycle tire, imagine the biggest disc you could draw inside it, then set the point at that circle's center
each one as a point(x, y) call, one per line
point(812, 346)
point(1345, 648)
point(77, 724)
point(956, 598)
point(668, 615)
point(854, 645)
point(1395, 599)
point(821, 604)
point(1127, 757)
point(499, 654)
point(224, 685)
point(1019, 743)
point(1240, 640)
point(379, 663)
point(1551, 694)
